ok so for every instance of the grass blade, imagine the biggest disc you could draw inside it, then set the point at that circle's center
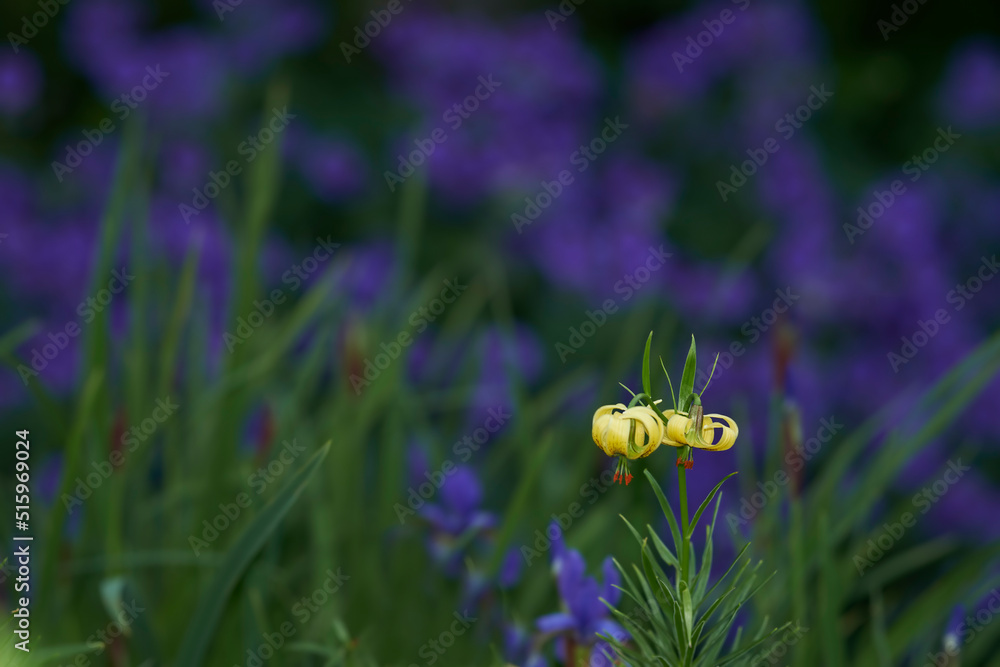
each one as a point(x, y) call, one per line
point(206, 617)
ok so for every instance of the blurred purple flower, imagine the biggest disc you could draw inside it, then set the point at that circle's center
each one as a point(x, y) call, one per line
point(624, 204)
point(17, 194)
point(456, 521)
point(21, 82)
point(458, 511)
point(508, 361)
point(258, 34)
point(523, 131)
point(367, 274)
point(184, 165)
point(510, 568)
point(519, 647)
point(584, 615)
point(50, 265)
point(106, 40)
point(677, 62)
point(101, 33)
point(333, 169)
point(174, 239)
point(970, 92)
point(967, 508)
point(195, 75)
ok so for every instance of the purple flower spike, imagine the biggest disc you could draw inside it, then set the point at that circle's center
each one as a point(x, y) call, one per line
point(584, 613)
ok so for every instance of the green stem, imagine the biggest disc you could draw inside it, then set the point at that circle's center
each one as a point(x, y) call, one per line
point(638, 398)
point(685, 534)
point(685, 559)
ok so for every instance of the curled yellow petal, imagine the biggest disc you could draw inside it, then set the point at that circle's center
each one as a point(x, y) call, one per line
point(600, 424)
point(727, 433)
point(612, 425)
point(678, 426)
point(648, 431)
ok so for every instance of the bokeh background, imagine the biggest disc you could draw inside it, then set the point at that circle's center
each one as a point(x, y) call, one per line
point(579, 152)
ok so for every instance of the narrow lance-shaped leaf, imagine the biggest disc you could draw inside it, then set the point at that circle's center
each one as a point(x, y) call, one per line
point(205, 617)
point(645, 368)
point(687, 379)
point(705, 503)
point(670, 384)
point(667, 511)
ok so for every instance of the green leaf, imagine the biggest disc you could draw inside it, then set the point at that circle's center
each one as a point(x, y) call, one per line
point(207, 614)
point(705, 571)
point(706, 617)
point(43, 656)
point(736, 560)
point(74, 455)
point(116, 593)
point(746, 649)
point(712, 374)
point(880, 641)
point(916, 615)
point(669, 384)
point(520, 502)
point(645, 368)
point(667, 511)
point(831, 589)
point(638, 538)
point(665, 553)
point(687, 379)
point(705, 503)
point(687, 609)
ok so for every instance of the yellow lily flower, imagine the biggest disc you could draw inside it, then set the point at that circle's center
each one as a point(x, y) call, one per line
point(611, 428)
point(683, 431)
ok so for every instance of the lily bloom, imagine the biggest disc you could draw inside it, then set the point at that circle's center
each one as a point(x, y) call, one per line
point(612, 432)
point(699, 431)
